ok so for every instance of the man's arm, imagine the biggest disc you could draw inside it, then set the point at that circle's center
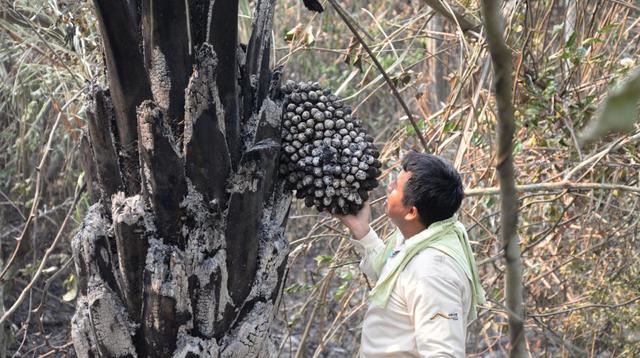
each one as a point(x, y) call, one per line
point(435, 303)
point(365, 240)
point(369, 247)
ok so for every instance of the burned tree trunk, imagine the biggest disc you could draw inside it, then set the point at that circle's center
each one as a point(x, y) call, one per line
point(184, 253)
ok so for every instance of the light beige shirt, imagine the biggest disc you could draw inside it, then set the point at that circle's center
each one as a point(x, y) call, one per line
point(427, 312)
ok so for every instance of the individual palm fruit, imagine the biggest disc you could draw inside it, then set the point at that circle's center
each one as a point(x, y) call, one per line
point(327, 157)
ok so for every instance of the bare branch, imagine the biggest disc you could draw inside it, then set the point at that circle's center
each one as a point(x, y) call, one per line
point(455, 14)
point(561, 185)
point(584, 307)
point(43, 262)
point(38, 193)
point(501, 57)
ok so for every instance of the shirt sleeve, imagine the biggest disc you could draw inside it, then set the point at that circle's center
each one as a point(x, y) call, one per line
point(368, 248)
point(435, 304)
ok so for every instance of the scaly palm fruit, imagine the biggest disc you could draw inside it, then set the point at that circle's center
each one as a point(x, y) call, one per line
point(327, 156)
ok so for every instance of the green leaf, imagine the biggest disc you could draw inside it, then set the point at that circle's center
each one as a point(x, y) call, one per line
point(346, 276)
point(341, 291)
point(517, 148)
point(619, 110)
point(591, 41)
point(571, 40)
point(320, 259)
point(80, 180)
point(72, 288)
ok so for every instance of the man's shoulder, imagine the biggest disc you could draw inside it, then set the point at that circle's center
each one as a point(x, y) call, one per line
point(431, 262)
point(429, 255)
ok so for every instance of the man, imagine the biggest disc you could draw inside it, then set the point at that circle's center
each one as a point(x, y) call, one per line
point(427, 284)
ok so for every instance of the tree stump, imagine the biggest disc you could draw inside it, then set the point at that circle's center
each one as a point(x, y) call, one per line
point(184, 252)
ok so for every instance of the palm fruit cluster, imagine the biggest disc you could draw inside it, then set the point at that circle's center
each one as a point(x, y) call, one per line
point(327, 156)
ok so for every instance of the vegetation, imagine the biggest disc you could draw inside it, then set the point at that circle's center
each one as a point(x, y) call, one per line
point(578, 227)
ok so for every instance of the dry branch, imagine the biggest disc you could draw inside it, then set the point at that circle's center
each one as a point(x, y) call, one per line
point(43, 262)
point(454, 13)
point(501, 57)
point(38, 190)
point(562, 185)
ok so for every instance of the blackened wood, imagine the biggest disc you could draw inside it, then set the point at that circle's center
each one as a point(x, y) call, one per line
point(269, 120)
point(93, 245)
point(167, 55)
point(208, 163)
point(81, 330)
point(101, 261)
point(90, 225)
point(280, 203)
point(88, 166)
point(128, 80)
point(164, 185)
point(205, 301)
point(199, 21)
point(99, 117)
point(268, 129)
point(257, 169)
point(110, 325)
point(255, 80)
point(198, 296)
point(268, 126)
point(275, 84)
point(131, 243)
point(223, 36)
point(277, 290)
point(159, 325)
point(135, 12)
point(268, 134)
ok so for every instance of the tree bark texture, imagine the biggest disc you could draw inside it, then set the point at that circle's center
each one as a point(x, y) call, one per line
point(183, 253)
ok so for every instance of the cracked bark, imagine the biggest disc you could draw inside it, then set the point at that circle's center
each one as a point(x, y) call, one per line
point(183, 251)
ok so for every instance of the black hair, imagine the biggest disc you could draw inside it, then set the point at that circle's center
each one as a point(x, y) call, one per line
point(434, 187)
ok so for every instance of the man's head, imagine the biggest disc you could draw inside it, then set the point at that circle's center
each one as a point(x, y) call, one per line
point(428, 189)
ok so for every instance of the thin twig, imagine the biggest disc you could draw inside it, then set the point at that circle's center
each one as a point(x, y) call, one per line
point(37, 195)
point(565, 184)
point(49, 251)
point(74, 75)
point(595, 305)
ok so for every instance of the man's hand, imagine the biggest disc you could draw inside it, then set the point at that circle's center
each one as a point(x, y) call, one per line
point(358, 224)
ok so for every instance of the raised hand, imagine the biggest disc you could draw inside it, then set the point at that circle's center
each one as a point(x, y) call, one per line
point(358, 224)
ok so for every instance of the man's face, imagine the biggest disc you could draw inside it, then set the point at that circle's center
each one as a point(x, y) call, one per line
point(395, 209)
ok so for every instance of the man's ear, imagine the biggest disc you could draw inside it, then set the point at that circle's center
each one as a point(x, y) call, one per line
point(412, 214)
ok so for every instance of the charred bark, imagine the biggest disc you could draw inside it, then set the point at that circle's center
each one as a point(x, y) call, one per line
point(128, 80)
point(184, 252)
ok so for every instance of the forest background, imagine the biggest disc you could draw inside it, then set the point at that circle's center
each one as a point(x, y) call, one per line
point(578, 225)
